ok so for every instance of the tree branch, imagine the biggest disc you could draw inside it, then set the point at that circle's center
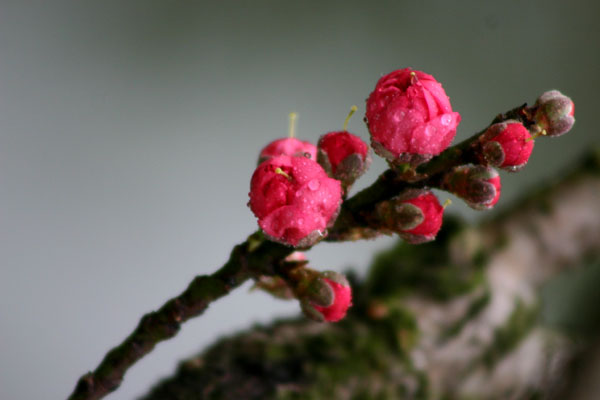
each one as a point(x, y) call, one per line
point(251, 258)
point(258, 256)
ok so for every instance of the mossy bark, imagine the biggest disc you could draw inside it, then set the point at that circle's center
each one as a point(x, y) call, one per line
point(457, 318)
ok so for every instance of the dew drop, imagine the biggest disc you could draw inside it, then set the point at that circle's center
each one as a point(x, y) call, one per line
point(314, 184)
point(446, 119)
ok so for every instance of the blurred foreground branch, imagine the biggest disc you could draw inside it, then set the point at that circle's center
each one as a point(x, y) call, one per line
point(455, 318)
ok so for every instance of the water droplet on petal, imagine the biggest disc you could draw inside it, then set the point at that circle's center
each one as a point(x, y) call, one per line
point(428, 131)
point(446, 119)
point(314, 184)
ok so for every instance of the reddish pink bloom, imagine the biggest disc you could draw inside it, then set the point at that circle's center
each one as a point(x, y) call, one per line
point(497, 185)
point(410, 117)
point(432, 215)
point(344, 156)
point(339, 145)
point(507, 145)
point(293, 199)
point(342, 300)
point(288, 147)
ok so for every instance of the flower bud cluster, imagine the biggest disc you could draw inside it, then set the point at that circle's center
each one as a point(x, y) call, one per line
point(294, 197)
point(298, 189)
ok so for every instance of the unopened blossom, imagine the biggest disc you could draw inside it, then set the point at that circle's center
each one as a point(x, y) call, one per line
point(410, 117)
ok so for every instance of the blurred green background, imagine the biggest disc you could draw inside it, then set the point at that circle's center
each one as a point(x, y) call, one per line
point(129, 131)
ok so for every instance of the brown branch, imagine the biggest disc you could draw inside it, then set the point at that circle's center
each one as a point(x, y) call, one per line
point(251, 258)
point(257, 257)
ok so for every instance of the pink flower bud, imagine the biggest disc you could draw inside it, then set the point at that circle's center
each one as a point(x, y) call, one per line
point(294, 200)
point(288, 147)
point(478, 185)
point(328, 297)
point(410, 117)
point(432, 212)
point(343, 155)
point(416, 215)
point(507, 145)
point(498, 186)
point(554, 113)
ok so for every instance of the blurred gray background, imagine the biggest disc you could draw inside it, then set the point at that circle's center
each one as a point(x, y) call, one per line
point(129, 131)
